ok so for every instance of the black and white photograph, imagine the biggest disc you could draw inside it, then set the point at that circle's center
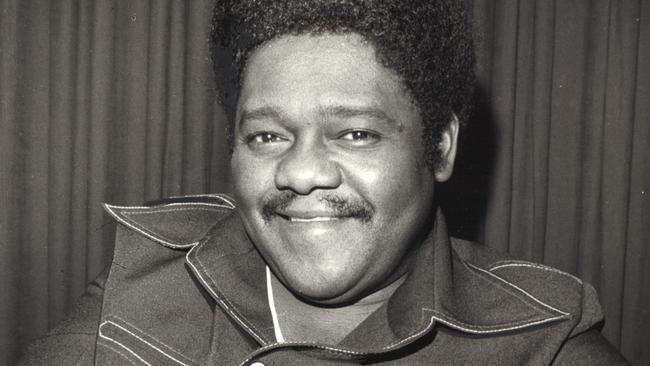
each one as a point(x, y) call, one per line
point(324, 182)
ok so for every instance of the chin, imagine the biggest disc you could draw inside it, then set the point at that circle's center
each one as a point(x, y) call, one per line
point(327, 290)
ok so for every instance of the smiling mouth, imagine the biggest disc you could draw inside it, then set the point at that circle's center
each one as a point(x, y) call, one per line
point(328, 208)
point(311, 219)
point(306, 218)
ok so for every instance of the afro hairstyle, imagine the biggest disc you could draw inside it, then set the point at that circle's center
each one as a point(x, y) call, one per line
point(427, 43)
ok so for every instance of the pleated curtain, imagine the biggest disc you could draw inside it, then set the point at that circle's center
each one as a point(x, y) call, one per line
point(113, 101)
point(102, 101)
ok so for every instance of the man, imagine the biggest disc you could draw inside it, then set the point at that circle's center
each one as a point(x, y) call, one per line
point(344, 115)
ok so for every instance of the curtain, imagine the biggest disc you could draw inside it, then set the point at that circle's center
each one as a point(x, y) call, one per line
point(102, 101)
point(555, 165)
point(113, 101)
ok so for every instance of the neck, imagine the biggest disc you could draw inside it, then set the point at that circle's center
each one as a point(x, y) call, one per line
point(303, 321)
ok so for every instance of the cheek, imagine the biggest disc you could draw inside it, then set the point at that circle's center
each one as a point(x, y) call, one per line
point(251, 178)
point(390, 179)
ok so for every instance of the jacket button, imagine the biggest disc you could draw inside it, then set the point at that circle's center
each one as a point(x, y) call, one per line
point(257, 364)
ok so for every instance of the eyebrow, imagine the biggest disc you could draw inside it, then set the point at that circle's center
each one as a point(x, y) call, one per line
point(265, 112)
point(351, 112)
point(339, 111)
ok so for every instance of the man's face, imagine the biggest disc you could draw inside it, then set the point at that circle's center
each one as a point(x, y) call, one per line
point(328, 166)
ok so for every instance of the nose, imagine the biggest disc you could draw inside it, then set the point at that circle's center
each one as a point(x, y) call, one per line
point(306, 167)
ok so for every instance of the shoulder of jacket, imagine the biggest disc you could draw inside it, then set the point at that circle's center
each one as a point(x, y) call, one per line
point(177, 222)
point(556, 288)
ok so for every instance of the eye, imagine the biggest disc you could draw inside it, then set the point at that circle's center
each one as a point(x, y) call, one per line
point(265, 142)
point(360, 137)
point(264, 137)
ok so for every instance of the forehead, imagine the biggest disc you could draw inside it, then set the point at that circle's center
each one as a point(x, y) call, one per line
point(301, 73)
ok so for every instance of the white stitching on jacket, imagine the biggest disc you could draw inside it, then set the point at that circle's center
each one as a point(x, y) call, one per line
point(537, 266)
point(170, 349)
point(136, 336)
point(159, 236)
point(337, 350)
point(155, 237)
point(122, 354)
point(121, 345)
point(216, 297)
point(271, 346)
point(414, 335)
point(221, 196)
point(134, 212)
point(518, 288)
point(455, 323)
point(154, 209)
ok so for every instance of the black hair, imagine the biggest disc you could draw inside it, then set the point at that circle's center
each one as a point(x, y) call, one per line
point(427, 43)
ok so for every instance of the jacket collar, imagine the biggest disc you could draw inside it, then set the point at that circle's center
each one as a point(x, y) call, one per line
point(441, 288)
point(176, 222)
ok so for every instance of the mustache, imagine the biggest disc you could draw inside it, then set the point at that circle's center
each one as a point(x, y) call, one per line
point(342, 207)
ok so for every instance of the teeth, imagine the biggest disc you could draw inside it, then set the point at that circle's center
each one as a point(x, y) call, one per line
point(314, 219)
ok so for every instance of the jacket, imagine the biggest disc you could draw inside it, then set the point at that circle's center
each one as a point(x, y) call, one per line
point(186, 287)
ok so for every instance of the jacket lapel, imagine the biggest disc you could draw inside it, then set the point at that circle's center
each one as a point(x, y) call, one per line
point(227, 265)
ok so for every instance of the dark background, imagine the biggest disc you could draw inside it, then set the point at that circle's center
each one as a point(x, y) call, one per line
point(113, 101)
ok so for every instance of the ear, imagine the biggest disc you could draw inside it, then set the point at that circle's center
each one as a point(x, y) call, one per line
point(447, 149)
